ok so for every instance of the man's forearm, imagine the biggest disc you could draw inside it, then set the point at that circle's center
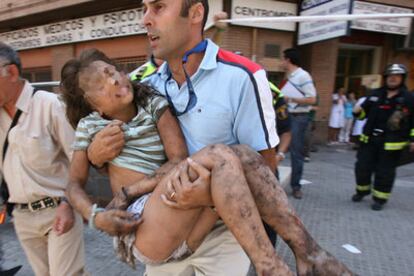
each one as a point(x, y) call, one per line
point(308, 101)
point(270, 158)
point(148, 184)
point(285, 139)
point(95, 159)
point(79, 199)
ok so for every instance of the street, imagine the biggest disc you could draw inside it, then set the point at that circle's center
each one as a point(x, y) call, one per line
point(384, 238)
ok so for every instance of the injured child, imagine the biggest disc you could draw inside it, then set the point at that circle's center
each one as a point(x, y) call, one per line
point(241, 188)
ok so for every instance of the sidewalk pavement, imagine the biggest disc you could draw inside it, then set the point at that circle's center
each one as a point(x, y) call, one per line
point(384, 238)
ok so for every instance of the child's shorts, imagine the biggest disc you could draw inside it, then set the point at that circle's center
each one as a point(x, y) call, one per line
point(125, 245)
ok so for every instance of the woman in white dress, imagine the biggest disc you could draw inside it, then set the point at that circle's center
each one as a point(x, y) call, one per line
point(337, 118)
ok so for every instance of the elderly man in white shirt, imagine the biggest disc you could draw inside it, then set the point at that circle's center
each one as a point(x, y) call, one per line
point(35, 166)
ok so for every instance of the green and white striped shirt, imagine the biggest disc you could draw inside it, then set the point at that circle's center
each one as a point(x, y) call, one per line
point(143, 150)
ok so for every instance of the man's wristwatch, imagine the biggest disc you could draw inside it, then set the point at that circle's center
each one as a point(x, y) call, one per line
point(95, 211)
point(281, 154)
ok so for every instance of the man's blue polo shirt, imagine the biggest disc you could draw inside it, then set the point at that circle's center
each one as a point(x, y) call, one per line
point(234, 102)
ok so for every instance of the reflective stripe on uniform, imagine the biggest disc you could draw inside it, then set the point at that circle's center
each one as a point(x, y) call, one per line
point(395, 146)
point(276, 93)
point(363, 188)
point(412, 132)
point(275, 90)
point(380, 195)
point(362, 115)
point(143, 71)
point(364, 138)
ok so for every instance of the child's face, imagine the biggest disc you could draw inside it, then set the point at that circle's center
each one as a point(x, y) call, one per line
point(106, 89)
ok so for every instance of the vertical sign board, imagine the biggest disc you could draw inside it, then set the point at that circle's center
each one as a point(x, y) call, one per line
point(314, 31)
point(263, 8)
point(399, 26)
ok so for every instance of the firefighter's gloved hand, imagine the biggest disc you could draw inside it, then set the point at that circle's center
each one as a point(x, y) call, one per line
point(394, 122)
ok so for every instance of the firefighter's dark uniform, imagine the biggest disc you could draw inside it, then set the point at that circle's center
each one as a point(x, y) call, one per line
point(389, 128)
point(280, 106)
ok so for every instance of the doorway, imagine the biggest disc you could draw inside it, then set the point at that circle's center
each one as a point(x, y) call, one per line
point(354, 63)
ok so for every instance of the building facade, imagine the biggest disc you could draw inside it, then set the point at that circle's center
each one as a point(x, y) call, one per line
point(48, 33)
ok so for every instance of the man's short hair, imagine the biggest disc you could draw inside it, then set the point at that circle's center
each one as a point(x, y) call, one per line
point(10, 55)
point(187, 4)
point(293, 55)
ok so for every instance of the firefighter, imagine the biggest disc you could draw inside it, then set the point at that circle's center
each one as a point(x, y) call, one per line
point(389, 111)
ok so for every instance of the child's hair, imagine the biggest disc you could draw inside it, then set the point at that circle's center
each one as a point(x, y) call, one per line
point(77, 107)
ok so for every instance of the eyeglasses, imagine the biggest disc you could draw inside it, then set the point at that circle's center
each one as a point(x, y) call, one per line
point(2, 72)
point(4, 65)
point(192, 100)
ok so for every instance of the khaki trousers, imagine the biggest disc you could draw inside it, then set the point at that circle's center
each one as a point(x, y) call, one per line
point(219, 255)
point(47, 253)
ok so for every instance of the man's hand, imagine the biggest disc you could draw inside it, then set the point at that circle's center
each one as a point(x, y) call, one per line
point(289, 99)
point(189, 187)
point(116, 222)
point(412, 147)
point(64, 219)
point(107, 144)
point(120, 201)
point(279, 159)
point(220, 16)
point(357, 109)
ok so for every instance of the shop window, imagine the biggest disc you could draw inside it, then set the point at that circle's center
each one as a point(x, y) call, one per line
point(130, 64)
point(272, 50)
point(38, 75)
point(352, 65)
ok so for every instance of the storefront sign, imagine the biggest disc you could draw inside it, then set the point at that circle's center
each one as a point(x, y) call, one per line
point(314, 31)
point(264, 8)
point(390, 25)
point(103, 26)
point(116, 24)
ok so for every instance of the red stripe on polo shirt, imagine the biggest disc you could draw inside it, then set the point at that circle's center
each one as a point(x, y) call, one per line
point(240, 60)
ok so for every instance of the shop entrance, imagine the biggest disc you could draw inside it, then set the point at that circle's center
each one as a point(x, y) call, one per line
point(355, 64)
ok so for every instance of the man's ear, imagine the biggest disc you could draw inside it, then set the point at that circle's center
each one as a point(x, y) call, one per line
point(13, 72)
point(196, 13)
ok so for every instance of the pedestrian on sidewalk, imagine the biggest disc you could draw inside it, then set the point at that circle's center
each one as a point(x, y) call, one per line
point(345, 133)
point(389, 129)
point(35, 141)
point(310, 145)
point(300, 94)
point(337, 117)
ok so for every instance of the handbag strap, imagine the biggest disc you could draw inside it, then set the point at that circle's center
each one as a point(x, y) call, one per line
point(4, 190)
point(13, 124)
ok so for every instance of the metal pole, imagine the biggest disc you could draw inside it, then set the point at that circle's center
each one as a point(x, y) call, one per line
point(336, 17)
